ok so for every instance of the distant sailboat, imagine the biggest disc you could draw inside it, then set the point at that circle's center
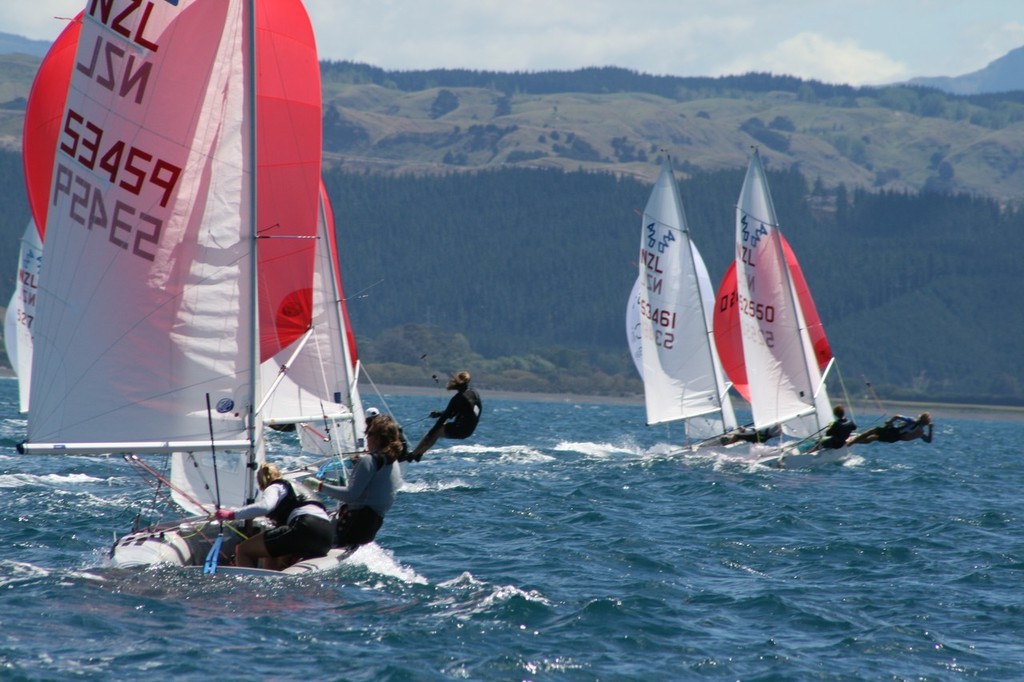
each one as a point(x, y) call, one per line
point(669, 322)
point(21, 313)
point(784, 380)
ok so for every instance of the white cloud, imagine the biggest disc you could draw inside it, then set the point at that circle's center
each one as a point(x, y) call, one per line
point(1004, 38)
point(811, 55)
point(38, 19)
point(866, 42)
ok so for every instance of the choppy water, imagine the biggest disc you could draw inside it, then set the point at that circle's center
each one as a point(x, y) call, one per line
point(563, 542)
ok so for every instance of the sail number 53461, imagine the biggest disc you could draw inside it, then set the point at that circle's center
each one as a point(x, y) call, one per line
point(663, 318)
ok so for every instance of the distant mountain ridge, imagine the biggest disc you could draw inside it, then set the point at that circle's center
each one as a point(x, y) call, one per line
point(1005, 74)
point(15, 44)
point(898, 138)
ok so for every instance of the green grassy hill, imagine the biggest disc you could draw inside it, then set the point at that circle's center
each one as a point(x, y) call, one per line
point(898, 138)
point(901, 139)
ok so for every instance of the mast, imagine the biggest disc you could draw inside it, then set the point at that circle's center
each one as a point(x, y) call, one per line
point(255, 432)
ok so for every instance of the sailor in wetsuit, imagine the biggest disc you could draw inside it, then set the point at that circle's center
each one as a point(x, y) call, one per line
point(837, 432)
point(458, 420)
point(302, 528)
point(898, 427)
point(749, 434)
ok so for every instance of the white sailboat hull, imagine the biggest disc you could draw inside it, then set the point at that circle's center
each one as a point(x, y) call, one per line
point(794, 459)
point(336, 557)
point(187, 544)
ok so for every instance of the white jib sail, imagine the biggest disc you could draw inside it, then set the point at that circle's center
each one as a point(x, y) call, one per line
point(145, 282)
point(785, 382)
point(22, 311)
point(318, 389)
point(681, 372)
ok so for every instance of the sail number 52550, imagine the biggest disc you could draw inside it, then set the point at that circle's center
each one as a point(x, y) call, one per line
point(758, 311)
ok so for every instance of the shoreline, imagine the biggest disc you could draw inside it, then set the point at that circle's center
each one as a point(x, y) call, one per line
point(964, 410)
point(939, 410)
point(429, 391)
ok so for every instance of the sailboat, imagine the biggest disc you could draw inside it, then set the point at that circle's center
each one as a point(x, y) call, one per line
point(768, 332)
point(22, 311)
point(180, 242)
point(669, 322)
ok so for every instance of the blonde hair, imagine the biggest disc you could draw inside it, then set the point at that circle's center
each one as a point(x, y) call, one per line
point(267, 474)
point(459, 379)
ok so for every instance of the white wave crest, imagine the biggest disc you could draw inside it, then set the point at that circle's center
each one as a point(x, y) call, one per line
point(433, 486)
point(599, 450)
point(21, 480)
point(381, 561)
point(488, 595)
point(13, 572)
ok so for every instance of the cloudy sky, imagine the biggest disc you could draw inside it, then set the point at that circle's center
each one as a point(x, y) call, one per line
point(860, 42)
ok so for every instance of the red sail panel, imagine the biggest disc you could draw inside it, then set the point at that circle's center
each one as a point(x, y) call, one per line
point(728, 338)
point(289, 140)
point(43, 115)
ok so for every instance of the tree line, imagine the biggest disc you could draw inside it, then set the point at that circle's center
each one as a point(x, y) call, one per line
point(909, 286)
point(991, 110)
point(526, 273)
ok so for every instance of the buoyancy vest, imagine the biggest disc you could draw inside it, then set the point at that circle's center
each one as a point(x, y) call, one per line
point(291, 501)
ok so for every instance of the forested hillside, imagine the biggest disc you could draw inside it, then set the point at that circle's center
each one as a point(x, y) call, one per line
point(491, 220)
point(892, 138)
point(525, 262)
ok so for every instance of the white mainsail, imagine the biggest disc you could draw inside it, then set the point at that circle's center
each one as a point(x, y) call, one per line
point(147, 214)
point(786, 384)
point(21, 312)
point(145, 300)
point(682, 375)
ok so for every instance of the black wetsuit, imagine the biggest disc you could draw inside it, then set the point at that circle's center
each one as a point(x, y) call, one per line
point(895, 428)
point(837, 433)
point(464, 409)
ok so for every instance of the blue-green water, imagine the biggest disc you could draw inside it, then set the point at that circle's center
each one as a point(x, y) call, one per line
point(563, 542)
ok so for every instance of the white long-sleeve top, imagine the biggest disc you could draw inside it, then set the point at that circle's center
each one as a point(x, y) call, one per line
point(268, 500)
point(368, 486)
